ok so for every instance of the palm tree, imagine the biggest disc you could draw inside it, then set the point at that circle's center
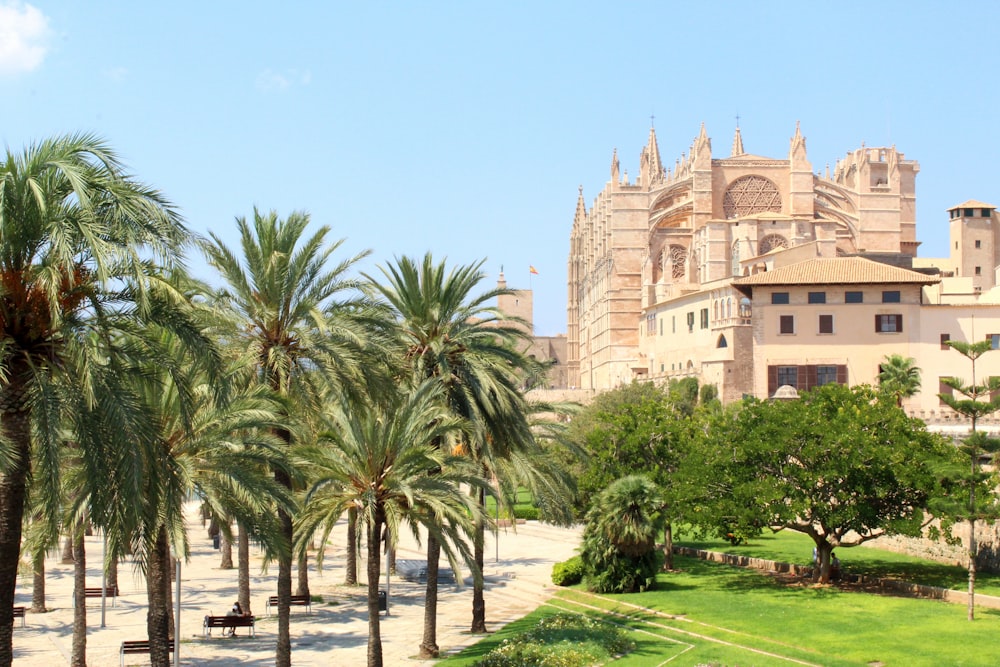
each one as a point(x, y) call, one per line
point(78, 241)
point(377, 465)
point(511, 458)
point(212, 442)
point(899, 376)
point(298, 319)
point(619, 541)
point(461, 340)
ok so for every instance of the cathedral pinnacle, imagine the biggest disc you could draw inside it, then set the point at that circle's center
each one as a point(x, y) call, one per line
point(738, 143)
point(651, 155)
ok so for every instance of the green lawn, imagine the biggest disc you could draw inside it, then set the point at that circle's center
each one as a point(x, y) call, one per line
point(790, 547)
point(707, 613)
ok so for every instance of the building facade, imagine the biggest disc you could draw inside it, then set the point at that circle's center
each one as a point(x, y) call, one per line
point(750, 273)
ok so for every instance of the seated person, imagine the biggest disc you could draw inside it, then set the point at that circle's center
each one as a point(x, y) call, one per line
point(237, 610)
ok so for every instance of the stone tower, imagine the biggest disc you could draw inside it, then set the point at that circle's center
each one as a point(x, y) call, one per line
point(973, 235)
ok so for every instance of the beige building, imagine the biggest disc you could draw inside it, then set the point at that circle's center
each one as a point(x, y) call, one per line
point(751, 272)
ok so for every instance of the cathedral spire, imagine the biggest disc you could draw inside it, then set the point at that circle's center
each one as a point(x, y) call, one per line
point(798, 138)
point(581, 206)
point(797, 151)
point(738, 142)
point(614, 167)
point(651, 169)
point(701, 150)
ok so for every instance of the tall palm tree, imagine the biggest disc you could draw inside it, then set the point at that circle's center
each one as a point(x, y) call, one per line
point(298, 317)
point(79, 239)
point(899, 376)
point(377, 465)
point(211, 444)
point(511, 458)
point(449, 333)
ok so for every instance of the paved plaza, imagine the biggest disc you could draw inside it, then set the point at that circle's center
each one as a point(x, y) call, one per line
point(517, 573)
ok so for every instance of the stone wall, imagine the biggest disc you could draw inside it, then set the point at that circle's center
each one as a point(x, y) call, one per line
point(888, 585)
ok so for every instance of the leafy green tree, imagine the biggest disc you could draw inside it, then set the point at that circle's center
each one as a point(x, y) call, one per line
point(79, 244)
point(376, 463)
point(640, 428)
point(445, 331)
point(979, 502)
point(302, 322)
point(899, 377)
point(837, 465)
point(619, 541)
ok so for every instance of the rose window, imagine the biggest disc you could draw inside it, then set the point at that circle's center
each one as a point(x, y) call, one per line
point(751, 194)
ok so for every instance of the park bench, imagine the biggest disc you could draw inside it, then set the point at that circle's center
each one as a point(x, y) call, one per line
point(294, 601)
point(19, 613)
point(231, 622)
point(136, 647)
point(95, 592)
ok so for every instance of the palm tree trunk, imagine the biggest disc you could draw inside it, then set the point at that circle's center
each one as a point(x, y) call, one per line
point(428, 645)
point(283, 655)
point(243, 578)
point(478, 597)
point(79, 646)
point(168, 591)
point(374, 638)
point(351, 577)
point(38, 582)
point(158, 616)
point(302, 570)
point(67, 551)
point(113, 574)
point(15, 422)
point(226, 546)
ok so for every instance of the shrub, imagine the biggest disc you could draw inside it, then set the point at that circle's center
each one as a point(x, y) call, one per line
point(526, 512)
point(568, 572)
point(561, 640)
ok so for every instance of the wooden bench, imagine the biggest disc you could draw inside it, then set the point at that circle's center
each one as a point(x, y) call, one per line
point(95, 592)
point(231, 622)
point(293, 601)
point(19, 613)
point(136, 647)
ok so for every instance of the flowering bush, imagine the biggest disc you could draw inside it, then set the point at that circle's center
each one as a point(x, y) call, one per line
point(561, 640)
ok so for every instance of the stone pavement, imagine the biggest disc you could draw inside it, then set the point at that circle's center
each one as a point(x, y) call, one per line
point(517, 572)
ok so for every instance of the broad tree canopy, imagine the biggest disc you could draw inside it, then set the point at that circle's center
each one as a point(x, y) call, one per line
point(838, 465)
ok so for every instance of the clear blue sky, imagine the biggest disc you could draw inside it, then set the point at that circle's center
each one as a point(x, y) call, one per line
point(466, 128)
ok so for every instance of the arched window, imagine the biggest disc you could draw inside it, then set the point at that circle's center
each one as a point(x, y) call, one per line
point(722, 341)
point(770, 242)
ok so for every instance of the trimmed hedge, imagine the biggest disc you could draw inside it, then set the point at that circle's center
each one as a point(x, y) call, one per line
point(526, 512)
point(568, 573)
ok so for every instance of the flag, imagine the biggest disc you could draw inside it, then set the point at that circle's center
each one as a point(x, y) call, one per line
point(532, 270)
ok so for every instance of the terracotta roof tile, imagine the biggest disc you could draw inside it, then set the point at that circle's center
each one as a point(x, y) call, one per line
point(972, 203)
point(839, 270)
